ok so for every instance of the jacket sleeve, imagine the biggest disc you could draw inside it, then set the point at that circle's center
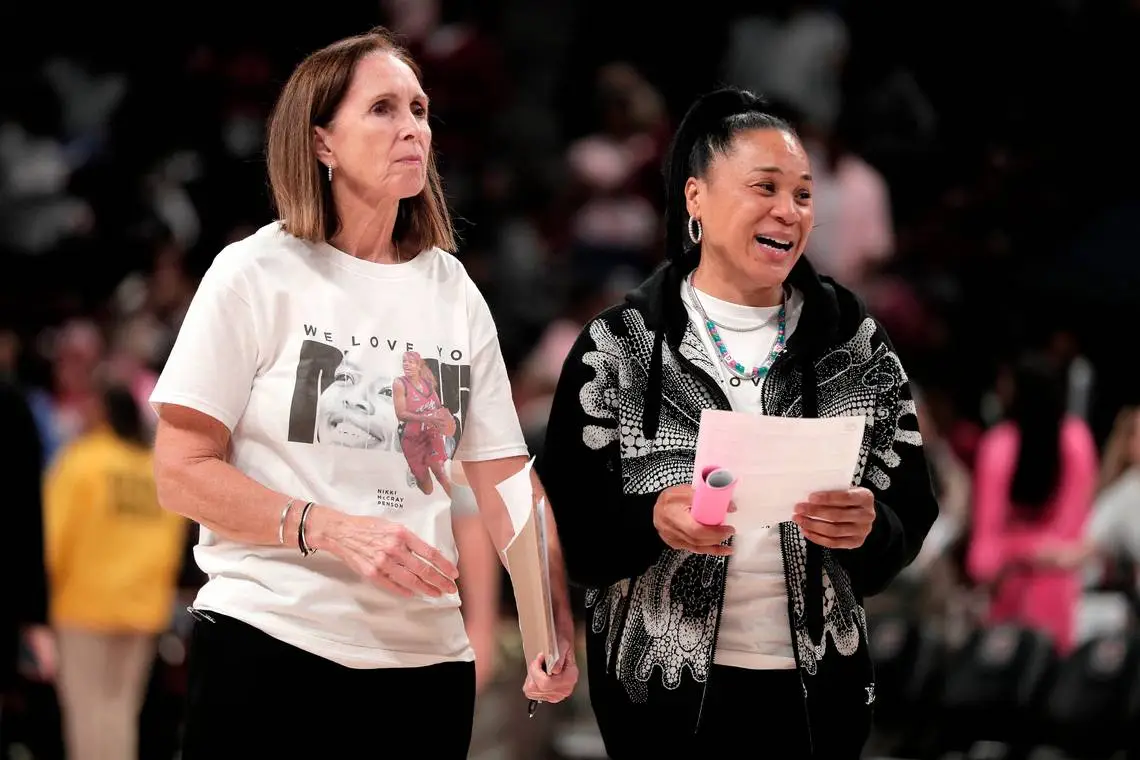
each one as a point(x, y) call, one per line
point(898, 473)
point(606, 534)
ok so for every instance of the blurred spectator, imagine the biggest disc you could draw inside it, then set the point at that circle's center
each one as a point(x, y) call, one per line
point(87, 100)
point(64, 411)
point(169, 286)
point(1115, 527)
point(522, 276)
point(169, 200)
point(1065, 349)
point(136, 349)
point(1114, 531)
point(467, 85)
point(113, 558)
point(23, 601)
point(615, 176)
point(853, 235)
point(537, 377)
point(794, 52)
point(37, 211)
point(1034, 484)
point(149, 303)
point(1121, 450)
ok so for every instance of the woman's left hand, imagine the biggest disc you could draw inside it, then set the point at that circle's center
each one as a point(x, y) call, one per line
point(559, 683)
point(837, 519)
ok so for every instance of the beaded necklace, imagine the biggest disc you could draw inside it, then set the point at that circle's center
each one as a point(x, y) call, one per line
point(732, 364)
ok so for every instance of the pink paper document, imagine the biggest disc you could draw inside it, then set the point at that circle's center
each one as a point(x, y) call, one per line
point(777, 461)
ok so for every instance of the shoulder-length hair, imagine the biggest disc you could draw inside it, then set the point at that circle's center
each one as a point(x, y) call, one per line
point(301, 194)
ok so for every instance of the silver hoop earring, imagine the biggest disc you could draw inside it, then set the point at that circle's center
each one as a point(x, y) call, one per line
point(330, 172)
point(695, 224)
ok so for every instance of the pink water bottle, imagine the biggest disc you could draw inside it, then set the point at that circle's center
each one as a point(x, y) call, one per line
point(712, 495)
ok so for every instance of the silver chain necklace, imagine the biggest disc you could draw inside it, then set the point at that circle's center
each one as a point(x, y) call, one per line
point(706, 318)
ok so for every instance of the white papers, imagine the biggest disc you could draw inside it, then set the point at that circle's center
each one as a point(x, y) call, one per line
point(528, 563)
point(778, 461)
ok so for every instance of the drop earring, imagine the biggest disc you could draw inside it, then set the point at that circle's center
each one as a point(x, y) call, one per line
point(330, 172)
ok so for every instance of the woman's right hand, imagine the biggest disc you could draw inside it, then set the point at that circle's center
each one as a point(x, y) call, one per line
point(674, 521)
point(384, 552)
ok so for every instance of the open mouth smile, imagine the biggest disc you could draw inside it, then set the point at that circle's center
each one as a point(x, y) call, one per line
point(780, 246)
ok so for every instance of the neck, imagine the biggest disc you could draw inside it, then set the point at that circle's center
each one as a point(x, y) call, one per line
point(366, 228)
point(710, 278)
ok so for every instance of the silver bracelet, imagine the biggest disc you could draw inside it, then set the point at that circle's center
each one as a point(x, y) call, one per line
point(302, 544)
point(281, 526)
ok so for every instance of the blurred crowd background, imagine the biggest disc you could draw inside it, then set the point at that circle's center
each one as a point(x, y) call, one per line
point(974, 169)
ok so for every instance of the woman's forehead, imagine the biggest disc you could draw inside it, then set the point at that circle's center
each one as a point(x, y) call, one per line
point(768, 151)
point(382, 74)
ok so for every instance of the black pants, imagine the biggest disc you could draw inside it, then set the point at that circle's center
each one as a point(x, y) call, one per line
point(250, 695)
point(752, 714)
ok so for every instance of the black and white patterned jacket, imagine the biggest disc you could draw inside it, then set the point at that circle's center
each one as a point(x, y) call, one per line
point(623, 427)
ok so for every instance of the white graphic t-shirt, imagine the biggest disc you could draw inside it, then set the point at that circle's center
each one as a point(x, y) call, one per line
point(308, 355)
point(754, 628)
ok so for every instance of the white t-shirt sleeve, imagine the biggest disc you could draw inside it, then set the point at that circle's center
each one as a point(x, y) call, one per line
point(214, 359)
point(491, 430)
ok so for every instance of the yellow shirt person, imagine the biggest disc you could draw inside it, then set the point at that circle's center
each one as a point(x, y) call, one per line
point(113, 553)
point(113, 557)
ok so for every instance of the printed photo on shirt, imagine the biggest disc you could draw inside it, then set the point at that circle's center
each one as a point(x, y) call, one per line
point(376, 395)
point(423, 438)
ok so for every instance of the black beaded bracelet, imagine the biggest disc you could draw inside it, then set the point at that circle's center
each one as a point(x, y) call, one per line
point(302, 544)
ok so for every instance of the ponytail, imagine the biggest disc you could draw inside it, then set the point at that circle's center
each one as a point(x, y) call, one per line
point(1038, 412)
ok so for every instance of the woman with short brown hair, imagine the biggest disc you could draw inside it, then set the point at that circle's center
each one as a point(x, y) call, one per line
point(331, 609)
point(301, 192)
